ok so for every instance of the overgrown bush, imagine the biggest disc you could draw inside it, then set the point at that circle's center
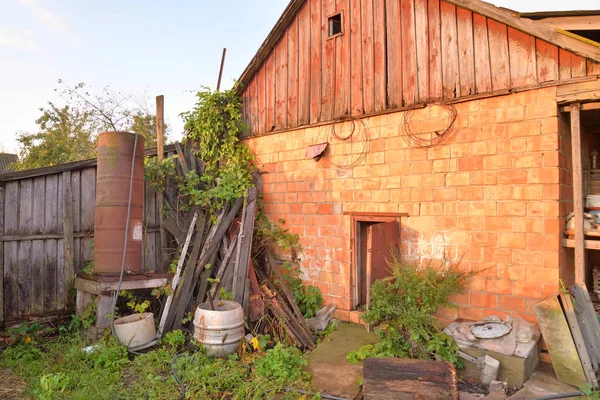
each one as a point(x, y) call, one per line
point(402, 309)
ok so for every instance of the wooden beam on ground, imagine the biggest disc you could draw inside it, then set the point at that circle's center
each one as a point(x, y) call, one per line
point(407, 379)
point(578, 194)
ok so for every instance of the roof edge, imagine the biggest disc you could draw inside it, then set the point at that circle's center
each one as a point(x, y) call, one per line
point(552, 14)
point(530, 27)
point(503, 15)
point(270, 41)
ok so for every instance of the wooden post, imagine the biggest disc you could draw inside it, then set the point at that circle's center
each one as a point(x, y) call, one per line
point(160, 154)
point(68, 246)
point(1, 256)
point(578, 194)
point(221, 69)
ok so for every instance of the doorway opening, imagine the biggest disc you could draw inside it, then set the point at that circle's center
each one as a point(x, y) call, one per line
point(376, 239)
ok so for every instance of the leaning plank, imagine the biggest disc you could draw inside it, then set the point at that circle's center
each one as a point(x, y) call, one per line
point(245, 249)
point(587, 318)
point(557, 337)
point(585, 357)
point(67, 222)
point(404, 379)
point(1, 257)
point(287, 292)
point(224, 266)
point(211, 246)
point(175, 282)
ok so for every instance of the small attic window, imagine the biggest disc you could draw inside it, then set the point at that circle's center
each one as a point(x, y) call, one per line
point(334, 25)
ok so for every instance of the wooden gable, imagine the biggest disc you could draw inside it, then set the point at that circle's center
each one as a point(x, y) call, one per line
point(394, 53)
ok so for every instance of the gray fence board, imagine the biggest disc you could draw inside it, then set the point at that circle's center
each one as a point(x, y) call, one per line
point(35, 278)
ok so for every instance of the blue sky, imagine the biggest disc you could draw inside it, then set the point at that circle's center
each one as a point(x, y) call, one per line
point(157, 47)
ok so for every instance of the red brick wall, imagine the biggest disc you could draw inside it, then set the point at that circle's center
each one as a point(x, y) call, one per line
point(491, 195)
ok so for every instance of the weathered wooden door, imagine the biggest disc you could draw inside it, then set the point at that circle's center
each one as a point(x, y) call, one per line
point(383, 242)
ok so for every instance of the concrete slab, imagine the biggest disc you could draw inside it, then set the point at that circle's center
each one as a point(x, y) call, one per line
point(332, 373)
point(542, 383)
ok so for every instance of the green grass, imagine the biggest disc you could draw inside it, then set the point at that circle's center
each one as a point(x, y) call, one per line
point(60, 368)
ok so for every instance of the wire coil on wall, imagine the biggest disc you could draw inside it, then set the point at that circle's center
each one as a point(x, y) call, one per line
point(429, 139)
point(357, 137)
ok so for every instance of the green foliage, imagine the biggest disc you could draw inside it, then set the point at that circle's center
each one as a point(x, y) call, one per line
point(61, 368)
point(282, 237)
point(134, 303)
point(25, 333)
point(87, 319)
point(68, 368)
point(51, 386)
point(590, 392)
point(175, 339)
point(308, 297)
point(402, 311)
point(281, 365)
point(68, 132)
point(64, 134)
point(157, 172)
point(224, 294)
point(214, 126)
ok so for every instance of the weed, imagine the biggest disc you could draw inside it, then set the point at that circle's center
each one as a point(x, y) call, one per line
point(281, 364)
point(402, 311)
point(308, 297)
point(175, 339)
point(590, 392)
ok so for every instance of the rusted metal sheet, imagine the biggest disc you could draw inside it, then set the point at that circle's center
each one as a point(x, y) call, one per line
point(115, 152)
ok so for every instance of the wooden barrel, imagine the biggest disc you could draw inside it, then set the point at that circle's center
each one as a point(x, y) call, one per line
point(115, 152)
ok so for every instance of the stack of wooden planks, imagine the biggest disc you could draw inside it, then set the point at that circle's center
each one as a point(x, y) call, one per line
point(219, 252)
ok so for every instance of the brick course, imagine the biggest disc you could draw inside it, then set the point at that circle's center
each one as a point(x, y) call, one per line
point(495, 195)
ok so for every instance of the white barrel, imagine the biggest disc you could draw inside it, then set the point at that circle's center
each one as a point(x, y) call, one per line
point(220, 331)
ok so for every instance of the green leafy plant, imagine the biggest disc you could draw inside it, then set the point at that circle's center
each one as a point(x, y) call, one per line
point(309, 298)
point(590, 392)
point(175, 339)
point(281, 364)
point(134, 303)
point(51, 385)
point(402, 311)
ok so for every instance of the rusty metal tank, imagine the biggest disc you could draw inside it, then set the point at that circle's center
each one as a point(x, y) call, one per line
point(115, 151)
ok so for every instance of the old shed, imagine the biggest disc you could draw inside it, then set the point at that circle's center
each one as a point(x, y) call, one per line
point(455, 130)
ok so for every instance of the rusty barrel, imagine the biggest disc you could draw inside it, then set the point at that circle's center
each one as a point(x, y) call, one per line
point(115, 151)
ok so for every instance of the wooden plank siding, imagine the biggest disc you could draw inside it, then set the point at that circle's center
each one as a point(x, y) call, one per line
point(35, 272)
point(391, 54)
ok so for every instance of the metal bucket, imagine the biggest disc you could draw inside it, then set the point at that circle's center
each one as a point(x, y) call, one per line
point(115, 151)
point(220, 331)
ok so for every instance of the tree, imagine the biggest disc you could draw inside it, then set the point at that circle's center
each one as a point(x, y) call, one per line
point(69, 133)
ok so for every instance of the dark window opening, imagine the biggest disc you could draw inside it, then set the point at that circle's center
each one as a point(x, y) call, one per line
point(335, 25)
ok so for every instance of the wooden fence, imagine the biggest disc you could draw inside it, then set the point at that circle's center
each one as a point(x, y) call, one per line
point(46, 236)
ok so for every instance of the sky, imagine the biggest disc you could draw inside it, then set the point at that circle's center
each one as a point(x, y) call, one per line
point(140, 47)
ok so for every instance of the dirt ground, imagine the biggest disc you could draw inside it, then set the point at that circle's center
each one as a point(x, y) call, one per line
point(12, 388)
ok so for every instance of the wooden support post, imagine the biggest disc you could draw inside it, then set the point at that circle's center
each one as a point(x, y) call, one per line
point(578, 194)
point(160, 154)
point(1, 257)
point(68, 246)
